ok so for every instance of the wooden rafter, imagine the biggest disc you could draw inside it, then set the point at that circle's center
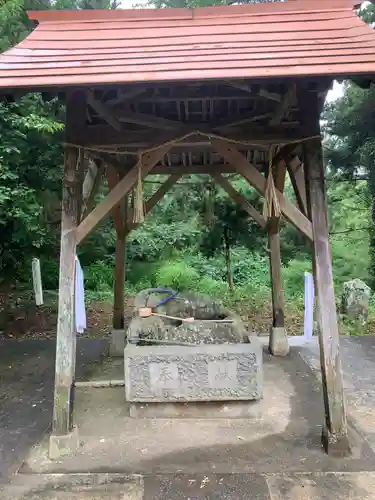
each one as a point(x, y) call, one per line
point(240, 199)
point(262, 92)
point(256, 179)
point(103, 111)
point(284, 105)
point(130, 94)
point(184, 95)
point(147, 162)
point(104, 136)
point(169, 169)
point(150, 121)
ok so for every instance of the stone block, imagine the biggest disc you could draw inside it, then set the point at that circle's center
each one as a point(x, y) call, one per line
point(117, 343)
point(200, 373)
point(355, 300)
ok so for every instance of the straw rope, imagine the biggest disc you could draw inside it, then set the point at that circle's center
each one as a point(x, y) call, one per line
point(271, 207)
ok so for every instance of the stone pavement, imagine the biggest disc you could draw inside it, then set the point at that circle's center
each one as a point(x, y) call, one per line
point(273, 454)
point(324, 486)
point(26, 393)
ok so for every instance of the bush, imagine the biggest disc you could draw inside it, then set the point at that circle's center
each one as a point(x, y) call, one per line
point(212, 267)
point(50, 273)
point(294, 277)
point(137, 272)
point(177, 275)
point(250, 269)
point(99, 276)
point(214, 288)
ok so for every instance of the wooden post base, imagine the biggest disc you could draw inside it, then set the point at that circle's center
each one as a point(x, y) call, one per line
point(66, 444)
point(278, 344)
point(335, 445)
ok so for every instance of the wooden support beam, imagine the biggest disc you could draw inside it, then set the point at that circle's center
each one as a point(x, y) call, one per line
point(103, 136)
point(90, 188)
point(296, 173)
point(240, 199)
point(119, 211)
point(256, 179)
point(119, 215)
point(250, 89)
point(284, 105)
point(119, 284)
point(166, 169)
point(63, 437)
point(158, 122)
point(221, 168)
point(297, 177)
point(278, 341)
point(335, 434)
point(156, 197)
point(147, 162)
point(150, 121)
point(184, 95)
point(103, 111)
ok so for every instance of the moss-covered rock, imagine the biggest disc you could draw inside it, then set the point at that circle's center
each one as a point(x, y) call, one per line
point(355, 300)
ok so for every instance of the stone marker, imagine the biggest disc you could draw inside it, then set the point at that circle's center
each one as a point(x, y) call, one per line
point(355, 300)
point(201, 373)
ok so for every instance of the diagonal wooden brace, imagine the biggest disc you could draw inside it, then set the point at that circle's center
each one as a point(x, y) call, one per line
point(149, 160)
point(230, 153)
point(240, 199)
point(155, 198)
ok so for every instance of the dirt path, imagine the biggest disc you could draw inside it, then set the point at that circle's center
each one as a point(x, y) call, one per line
point(20, 318)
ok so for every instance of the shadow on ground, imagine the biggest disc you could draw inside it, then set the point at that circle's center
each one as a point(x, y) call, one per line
point(26, 393)
point(297, 448)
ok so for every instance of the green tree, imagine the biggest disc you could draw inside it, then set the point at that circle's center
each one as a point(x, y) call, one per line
point(31, 157)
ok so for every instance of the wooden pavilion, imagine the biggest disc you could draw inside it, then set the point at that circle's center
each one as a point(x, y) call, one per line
point(183, 91)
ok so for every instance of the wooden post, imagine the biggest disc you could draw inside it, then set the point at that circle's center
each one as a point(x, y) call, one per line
point(90, 186)
point(297, 177)
point(64, 438)
point(120, 215)
point(119, 283)
point(334, 437)
point(278, 341)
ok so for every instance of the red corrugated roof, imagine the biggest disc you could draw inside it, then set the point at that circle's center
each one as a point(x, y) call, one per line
point(270, 40)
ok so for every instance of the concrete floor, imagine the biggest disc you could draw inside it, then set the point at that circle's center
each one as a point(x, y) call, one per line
point(272, 454)
point(26, 393)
